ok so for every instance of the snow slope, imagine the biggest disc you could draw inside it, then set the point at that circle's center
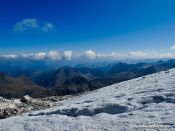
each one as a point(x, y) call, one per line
point(145, 103)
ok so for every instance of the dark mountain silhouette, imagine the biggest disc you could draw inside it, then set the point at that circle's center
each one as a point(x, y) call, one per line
point(70, 80)
point(58, 77)
point(18, 87)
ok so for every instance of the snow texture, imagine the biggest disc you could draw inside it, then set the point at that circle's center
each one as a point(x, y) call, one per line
point(145, 103)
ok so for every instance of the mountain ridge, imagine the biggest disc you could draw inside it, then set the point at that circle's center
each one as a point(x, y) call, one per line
point(17, 87)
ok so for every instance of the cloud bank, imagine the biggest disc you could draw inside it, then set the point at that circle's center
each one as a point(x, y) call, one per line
point(92, 55)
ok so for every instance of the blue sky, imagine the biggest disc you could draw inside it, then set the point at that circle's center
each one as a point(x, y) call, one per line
point(103, 26)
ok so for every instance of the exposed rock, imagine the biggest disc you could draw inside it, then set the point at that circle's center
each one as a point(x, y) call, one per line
point(4, 113)
point(26, 104)
point(25, 98)
point(7, 108)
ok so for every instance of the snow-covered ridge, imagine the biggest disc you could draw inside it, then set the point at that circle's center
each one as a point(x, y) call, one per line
point(142, 103)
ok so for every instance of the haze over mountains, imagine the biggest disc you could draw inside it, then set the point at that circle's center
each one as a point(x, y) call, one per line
point(45, 78)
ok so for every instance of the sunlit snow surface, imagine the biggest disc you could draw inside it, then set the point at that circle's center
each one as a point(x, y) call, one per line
point(143, 103)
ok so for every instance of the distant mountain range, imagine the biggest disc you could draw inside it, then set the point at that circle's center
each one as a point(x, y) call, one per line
point(41, 80)
point(69, 80)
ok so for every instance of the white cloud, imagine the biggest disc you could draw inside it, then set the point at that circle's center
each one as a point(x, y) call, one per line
point(138, 54)
point(117, 55)
point(152, 54)
point(26, 24)
point(27, 55)
point(54, 55)
point(90, 54)
point(40, 55)
point(11, 56)
point(32, 24)
point(162, 55)
point(68, 55)
point(113, 55)
point(47, 27)
point(100, 55)
point(172, 47)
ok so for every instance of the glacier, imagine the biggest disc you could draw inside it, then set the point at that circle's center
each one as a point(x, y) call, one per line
point(144, 103)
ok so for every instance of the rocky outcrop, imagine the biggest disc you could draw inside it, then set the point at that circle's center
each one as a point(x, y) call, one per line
point(25, 104)
point(7, 108)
